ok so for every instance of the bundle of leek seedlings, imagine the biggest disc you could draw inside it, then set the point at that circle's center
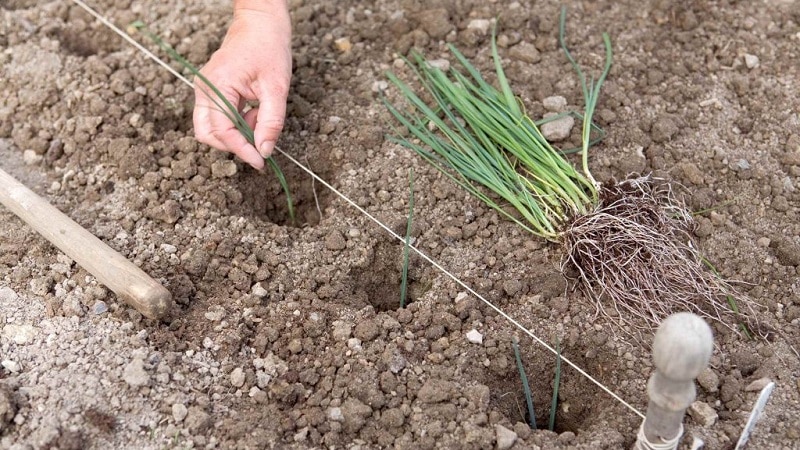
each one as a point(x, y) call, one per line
point(628, 244)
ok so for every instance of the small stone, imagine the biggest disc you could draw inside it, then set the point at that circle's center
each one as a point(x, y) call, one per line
point(475, 337)
point(11, 366)
point(223, 168)
point(258, 290)
point(380, 86)
point(257, 395)
point(397, 363)
point(355, 414)
point(554, 103)
point(367, 330)
point(742, 164)
point(100, 307)
point(343, 44)
point(197, 420)
point(758, 385)
point(663, 129)
point(135, 375)
point(435, 22)
point(30, 157)
point(341, 330)
point(525, 52)
point(335, 414)
point(168, 248)
point(505, 437)
point(237, 377)
point(709, 380)
point(751, 61)
point(354, 344)
point(763, 242)
point(179, 412)
point(335, 241)
point(436, 391)
point(481, 25)
point(558, 129)
point(20, 334)
point(703, 414)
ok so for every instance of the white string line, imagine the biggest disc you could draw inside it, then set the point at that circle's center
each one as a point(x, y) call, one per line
point(382, 225)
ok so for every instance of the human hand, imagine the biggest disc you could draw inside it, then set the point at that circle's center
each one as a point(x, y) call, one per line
point(254, 62)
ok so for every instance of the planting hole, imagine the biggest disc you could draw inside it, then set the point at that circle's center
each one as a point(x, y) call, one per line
point(263, 197)
point(378, 283)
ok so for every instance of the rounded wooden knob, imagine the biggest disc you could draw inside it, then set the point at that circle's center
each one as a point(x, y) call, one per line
point(682, 346)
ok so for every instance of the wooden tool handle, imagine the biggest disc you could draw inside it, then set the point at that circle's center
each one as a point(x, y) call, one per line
point(128, 281)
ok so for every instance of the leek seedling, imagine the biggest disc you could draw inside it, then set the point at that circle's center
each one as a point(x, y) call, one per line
point(224, 105)
point(626, 242)
point(409, 224)
point(526, 389)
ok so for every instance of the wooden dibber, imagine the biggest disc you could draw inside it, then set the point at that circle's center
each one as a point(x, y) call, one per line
point(681, 350)
point(123, 277)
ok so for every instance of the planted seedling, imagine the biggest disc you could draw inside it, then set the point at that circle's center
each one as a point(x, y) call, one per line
point(223, 105)
point(406, 247)
point(628, 244)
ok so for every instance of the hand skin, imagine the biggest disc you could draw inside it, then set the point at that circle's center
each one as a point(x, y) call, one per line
point(254, 62)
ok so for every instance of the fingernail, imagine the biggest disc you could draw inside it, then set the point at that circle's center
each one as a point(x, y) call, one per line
point(266, 148)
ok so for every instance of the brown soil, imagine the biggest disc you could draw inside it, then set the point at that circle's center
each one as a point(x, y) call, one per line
point(322, 356)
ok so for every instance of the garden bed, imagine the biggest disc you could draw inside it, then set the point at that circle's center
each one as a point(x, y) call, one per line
point(293, 335)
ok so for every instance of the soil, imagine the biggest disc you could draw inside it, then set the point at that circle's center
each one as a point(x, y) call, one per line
point(291, 336)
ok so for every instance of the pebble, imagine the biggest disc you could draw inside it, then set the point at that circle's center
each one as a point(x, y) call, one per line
point(481, 25)
point(380, 86)
point(354, 344)
point(436, 391)
point(742, 164)
point(703, 414)
point(135, 374)
point(343, 44)
point(223, 168)
point(554, 103)
point(257, 394)
point(751, 61)
point(179, 412)
point(397, 363)
point(100, 307)
point(11, 366)
point(30, 157)
point(709, 380)
point(168, 248)
point(258, 290)
point(505, 437)
point(335, 241)
point(475, 337)
point(525, 52)
point(758, 385)
point(341, 330)
point(237, 377)
point(435, 22)
point(335, 414)
point(20, 334)
point(558, 129)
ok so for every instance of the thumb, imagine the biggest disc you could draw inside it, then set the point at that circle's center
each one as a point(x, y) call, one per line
point(269, 123)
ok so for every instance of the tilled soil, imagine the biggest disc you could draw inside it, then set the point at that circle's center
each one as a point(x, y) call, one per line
point(290, 335)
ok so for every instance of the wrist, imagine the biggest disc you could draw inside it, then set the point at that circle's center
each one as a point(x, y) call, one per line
point(260, 5)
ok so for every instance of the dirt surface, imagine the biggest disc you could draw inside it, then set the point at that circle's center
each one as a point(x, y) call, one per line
point(291, 336)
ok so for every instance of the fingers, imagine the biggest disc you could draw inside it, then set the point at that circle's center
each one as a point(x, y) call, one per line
point(269, 124)
point(214, 128)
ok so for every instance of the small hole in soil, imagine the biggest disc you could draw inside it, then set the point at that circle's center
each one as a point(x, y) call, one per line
point(378, 284)
point(264, 198)
point(507, 395)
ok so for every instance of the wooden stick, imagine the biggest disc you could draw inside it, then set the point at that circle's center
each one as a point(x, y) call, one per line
point(128, 281)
